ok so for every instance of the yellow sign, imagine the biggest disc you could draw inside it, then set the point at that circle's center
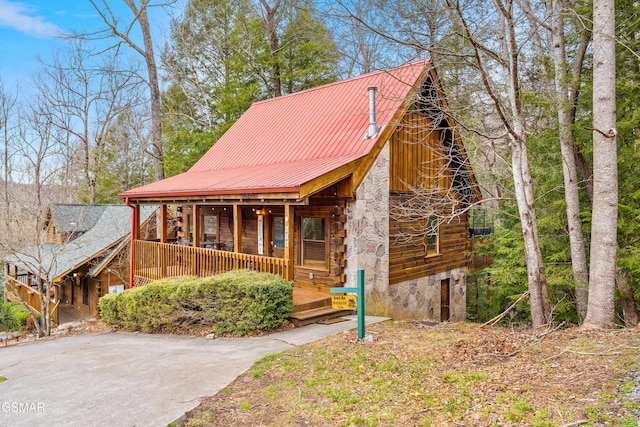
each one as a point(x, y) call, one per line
point(344, 302)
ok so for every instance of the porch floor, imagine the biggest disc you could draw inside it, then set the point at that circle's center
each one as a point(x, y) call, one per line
point(70, 313)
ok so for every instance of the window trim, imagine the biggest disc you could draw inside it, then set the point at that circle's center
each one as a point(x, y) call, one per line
point(273, 231)
point(429, 234)
point(203, 228)
point(315, 265)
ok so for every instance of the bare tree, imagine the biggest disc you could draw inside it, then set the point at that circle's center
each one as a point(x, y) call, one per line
point(83, 100)
point(7, 123)
point(39, 149)
point(271, 25)
point(375, 33)
point(512, 114)
point(602, 274)
point(566, 121)
point(146, 51)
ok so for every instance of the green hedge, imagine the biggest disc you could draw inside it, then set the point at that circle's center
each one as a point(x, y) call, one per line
point(236, 302)
point(13, 316)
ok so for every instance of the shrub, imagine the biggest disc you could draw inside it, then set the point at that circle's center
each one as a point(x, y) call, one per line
point(236, 302)
point(13, 316)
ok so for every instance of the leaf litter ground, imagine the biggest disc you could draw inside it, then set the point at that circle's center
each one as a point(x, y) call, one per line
point(443, 375)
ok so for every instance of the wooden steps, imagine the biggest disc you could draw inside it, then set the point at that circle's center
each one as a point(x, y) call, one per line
point(312, 307)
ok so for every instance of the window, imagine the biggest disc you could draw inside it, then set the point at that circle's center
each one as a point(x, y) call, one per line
point(210, 228)
point(278, 232)
point(314, 242)
point(85, 290)
point(433, 236)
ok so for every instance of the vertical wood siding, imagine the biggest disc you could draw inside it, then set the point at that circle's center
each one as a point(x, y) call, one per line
point(419, 161)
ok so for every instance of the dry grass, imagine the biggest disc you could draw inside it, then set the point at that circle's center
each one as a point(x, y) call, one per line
point(412, 375)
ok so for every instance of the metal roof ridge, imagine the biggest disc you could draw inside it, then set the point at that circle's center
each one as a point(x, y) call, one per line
point(329, 157)
point(349, 80)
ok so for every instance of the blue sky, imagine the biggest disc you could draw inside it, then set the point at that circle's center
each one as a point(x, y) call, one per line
point(29, 28)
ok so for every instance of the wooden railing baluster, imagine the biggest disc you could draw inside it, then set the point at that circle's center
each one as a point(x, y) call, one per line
point(155, 260)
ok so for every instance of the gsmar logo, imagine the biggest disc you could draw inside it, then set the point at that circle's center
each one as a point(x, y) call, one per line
point(22, 407)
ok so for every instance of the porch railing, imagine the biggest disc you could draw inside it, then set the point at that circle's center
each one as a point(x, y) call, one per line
point(20, 292)
point(155, 260)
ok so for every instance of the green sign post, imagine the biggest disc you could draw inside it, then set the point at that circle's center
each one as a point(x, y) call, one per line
point(359, 291)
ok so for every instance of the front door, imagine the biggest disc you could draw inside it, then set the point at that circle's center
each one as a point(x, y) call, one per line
point(445, 288)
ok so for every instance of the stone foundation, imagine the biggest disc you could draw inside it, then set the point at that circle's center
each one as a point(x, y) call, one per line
point(419, 299)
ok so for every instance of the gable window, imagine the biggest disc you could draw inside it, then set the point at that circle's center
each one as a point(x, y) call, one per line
point(433, 236)
point(314, 242)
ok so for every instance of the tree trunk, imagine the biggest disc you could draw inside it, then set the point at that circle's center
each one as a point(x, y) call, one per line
point(567, 143)
point(44, 328)
point(154, 87)
point(273, 45)
point(628, 303)
point(602, 275)
point(584, 170)
point(537, 279)
point(523, 183)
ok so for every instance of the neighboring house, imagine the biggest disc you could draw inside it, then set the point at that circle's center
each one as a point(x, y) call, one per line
point(85, 257)
point(320, 183)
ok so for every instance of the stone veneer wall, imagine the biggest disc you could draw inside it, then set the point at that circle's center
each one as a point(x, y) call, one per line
point(367, 237)
point(419, 299)
point(367, 247)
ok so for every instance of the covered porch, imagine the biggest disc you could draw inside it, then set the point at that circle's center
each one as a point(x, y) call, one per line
point(301, 241)
point(159, 260)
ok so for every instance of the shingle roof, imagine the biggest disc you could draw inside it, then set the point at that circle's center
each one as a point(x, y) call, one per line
point(54, 260)
point(282, 143)
point(75, 218)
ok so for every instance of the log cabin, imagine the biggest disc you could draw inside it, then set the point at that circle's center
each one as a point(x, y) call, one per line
point(366, 173)
point(85, 256)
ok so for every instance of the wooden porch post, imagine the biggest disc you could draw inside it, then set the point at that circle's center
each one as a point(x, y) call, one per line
point(196, 225)
point(196, 239)
point(237, 230)
point(289, 255)
point(136, 222)
point(163, 223)
point(267, 238)
point(162, 263)
point(135, 235)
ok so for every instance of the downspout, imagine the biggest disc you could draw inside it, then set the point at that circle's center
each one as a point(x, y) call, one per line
point(132, 254)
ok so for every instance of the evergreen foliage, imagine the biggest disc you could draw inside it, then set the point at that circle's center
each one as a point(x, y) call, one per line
point(628, 124)
point(220, 62)
point(13, 316)
point(237, 302)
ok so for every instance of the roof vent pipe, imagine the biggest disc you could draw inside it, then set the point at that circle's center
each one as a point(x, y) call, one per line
point(373, 127)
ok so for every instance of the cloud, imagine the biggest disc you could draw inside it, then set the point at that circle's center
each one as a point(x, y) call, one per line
point(17, 16)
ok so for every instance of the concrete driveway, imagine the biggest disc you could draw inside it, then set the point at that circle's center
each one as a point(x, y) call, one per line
point(130, 379)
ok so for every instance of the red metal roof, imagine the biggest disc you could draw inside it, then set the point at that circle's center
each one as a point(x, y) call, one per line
point(279, 144)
